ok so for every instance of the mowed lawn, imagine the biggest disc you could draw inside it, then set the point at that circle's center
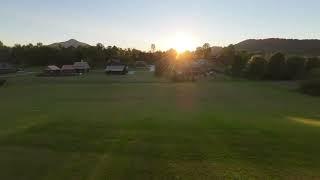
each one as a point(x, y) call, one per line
point(140, 127)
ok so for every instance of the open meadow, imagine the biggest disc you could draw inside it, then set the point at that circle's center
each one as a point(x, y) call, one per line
point(139, 127)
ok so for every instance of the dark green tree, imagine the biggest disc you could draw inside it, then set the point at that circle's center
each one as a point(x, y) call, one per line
point(256, 68)
point(312, 63)
point(277, 68)
point(239, 63)
point(100, 46)
point(206, 50)
point(227, 55)
point(295, 67)
point(39, 44)
point(199, 52)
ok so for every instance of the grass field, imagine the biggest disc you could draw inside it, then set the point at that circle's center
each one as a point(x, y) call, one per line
point(139, 127)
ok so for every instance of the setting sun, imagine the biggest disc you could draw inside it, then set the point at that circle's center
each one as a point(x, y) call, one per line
point(183, 42)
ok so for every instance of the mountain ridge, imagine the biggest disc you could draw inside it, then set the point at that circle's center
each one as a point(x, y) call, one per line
point(69, 43)
point(290, 46)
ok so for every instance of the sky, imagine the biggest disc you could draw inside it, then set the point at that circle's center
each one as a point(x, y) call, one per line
point(139, 23)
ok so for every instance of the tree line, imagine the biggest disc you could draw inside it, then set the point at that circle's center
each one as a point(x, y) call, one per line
point(275, 66)
point(40, 55)
point(96, 56)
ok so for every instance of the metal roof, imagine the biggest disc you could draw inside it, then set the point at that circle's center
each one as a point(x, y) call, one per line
point(67, 67)
point(81, 65)
point(53, 68)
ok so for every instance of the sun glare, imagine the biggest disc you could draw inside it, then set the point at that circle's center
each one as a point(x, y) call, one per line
point(183, 42)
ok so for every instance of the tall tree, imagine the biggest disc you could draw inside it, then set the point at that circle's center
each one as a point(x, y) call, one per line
point(296, 67)
point(276, 69)
point(239, 63)
point(199, 52)
point(256, 68)
point(39, 44)
point(206, 50)
point(312, 63)
point(227, 55)
point(100, 46)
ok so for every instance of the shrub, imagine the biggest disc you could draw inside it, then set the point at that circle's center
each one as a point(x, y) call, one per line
point(256, 68)
point(312, 63)
point(238, 65)
point(311, 87)
point(295, 67)
point(2, 82)
point(314, 74)
point(276, 68)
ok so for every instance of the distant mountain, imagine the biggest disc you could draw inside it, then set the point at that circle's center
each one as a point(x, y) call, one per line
point(69, 43)
point(290, 46)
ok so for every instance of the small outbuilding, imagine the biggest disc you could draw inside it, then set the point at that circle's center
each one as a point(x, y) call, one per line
point(68, 69)
point(201, 66)
point(190, 70)
point(116, 67)
point(52, 69)
point(140, 65)
point(81, 67)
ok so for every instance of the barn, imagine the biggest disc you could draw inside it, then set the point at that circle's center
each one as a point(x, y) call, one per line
point(140, 65)
point(115, 66)
point(68, 70)
point(52, 70)
point(81, 67)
